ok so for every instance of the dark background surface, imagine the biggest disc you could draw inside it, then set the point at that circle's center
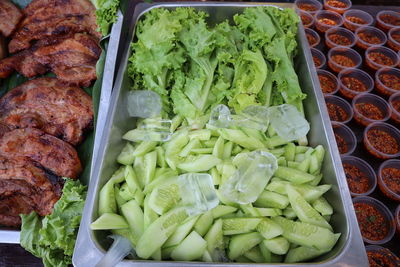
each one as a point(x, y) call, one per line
point(14, 255)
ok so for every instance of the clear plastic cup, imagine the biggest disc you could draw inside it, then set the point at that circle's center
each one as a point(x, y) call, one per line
point(394, 103)
point(327, 78)
point(377, 37)
point(312, 37)
point(382, 252)
point(310, 6)
point(318, 58)
point(343, 105)
point(394, 39)
point(365, 168)
point(347, 136)
point(387, 19)
point(353, 82)
point(306, 18)
point(386, 188)
point(341, 34)
point(397, 219)
point(377, 102)
point(338, 6)
point(389, 222)
point(388, 136)
point(340, 58)
point(385, 81)
point(324, 20)
point(355, 18)
point(377, 57)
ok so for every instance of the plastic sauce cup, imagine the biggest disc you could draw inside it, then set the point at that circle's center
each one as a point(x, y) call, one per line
point(340, 58)
point(387, 19)
point(383, 185)
point(394, 39)
point(341, 104)
point(318, 58)
point(384, 130)
point(378, 36)
point(374, 102)
point(324, 20)
point(385, 81)
point(310, 6)
point(347, 137)
point(307, 19)
point(335, 36)
point(394, 103)
point(355, 18)
point(325, 76)
point(353, 82)
point(377, 57)
point(338, 6)
point(312, 37)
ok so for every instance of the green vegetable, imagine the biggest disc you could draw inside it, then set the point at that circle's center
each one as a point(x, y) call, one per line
point(278, 245)
point(191, 248)
point(234, 226)
point(241, 243)
point(52, 238)
point(106, 14)
point(109, 221)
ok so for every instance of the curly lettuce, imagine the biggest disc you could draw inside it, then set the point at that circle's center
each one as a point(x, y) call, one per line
point(53, 237)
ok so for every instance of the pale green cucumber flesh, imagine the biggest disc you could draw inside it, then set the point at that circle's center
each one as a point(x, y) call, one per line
point(109, 221)
point(278, 245)
point(191, 248)
point(234, 226)
point(239, 244)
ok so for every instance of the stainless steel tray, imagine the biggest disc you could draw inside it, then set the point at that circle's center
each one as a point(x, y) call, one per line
point(91, 245)
point(9, 235)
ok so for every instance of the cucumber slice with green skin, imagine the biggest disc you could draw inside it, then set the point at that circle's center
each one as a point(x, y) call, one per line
point(234, 226)
point(149, 215)
point(224, 200)
point(131, 180)
point(195, 143)
point(156, 255)
point(239, 244)
point(290, 152)
point(317, 180)
point(161, 157)
point(107, 202)
point(314, 165)
point(254, 255)
point(126, 157)
point(265, 252)
point(218, 150)
point(178, 140)
point(269, 229)
point(191, 248)
point(159, 231)
point(207, 150)
point(161, 179)
point(300, 157)
point(210, 143)
point(120, 200)
point(293, 164)
point(269, 199)
point(204, 223)
point(215, 241)
point(275, 141)
point(293, 175)
point(181, 232)
point(144, 148)
point(310, 193)
point(109, 221)
point(282, 161)
point(134, 216)
point(277, 152)
point(215, 176)
point(306, 234)
point(240, 138)
point(227, 171)
point(203, 134)
point(166, 252)
point(176, 121)
point(304, 211)
point(222, 210)
point(250, 210)
point(302, 254)
point(150, 161)
point(278, 245)
point(236, 150)
point(322, 206)
point(304, 166)
point(200, 163)
point(269, 212)
point(289, 213)
point(165, 196)
point(227, 150)
point(138, 167)
point(125, 193)
point(301, 149)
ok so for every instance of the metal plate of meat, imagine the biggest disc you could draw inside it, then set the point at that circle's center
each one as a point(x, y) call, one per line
point(91, 245)
point(9, 235)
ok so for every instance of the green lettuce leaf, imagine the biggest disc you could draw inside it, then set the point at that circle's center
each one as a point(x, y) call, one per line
point(52, 238)
point(106, 15)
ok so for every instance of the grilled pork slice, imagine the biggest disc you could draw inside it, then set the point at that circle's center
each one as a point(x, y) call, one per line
point(26, 186)
point(52, 153)
point(45, 18)
point(45, 103)
point(10, 15)
point(72, 58)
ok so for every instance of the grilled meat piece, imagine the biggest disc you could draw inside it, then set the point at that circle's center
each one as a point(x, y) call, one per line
point(3, 47)
point(10, 16)
point(47, 104)
point(26, 186)
point(52, 153)
point(72, 58)
point(53, 18)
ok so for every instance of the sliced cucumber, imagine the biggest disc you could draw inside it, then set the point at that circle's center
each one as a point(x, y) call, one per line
point(107, 203)
point(234, 226)
point(240, 138)
point(134, 216)
point(191, 248)
point(269, 229)
point(215, 241)
point(249, 210)
point(181, 232)
point(222, 210)
point(203, 134)
point(149, 215)
point(227, 150)
point(302, 254)
point(305, 211)
point(195, 143)
point(269, 199)
point(165, 196)
point(109, 221)
point(150, 161)
point(200, 163)
point(265, 252)
point(239, 244)
point(322, 206)
point(161, 157)
point(218, 150)
point(126, 157)
point(206, 257)
point(306, 234)
point(204, 223)
point(254, 255)
point(144, 147)
point(159, 231)
point(269, 212)
point(166, 252)
point(278, 245)
point(293, 175)
point(125, 193)
point(289, 213)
